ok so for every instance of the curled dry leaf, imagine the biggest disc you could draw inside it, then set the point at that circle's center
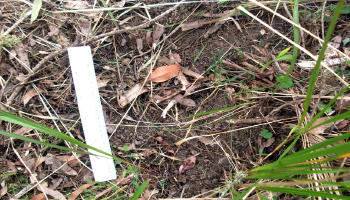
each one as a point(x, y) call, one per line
point(164, 73)
point(175, 58)
point(183, 80)
point(157, 33)
point(40, 196)
point(189, 164)
point(320, 129)
point(28, 96)
point(192, 74)
point(130, 95)
point(77, 192)
point(214, 28)
point(3, 190)
point(53, 193)
point(185, 101)
point(55, 164)
point(73, 4)
point(139, 44)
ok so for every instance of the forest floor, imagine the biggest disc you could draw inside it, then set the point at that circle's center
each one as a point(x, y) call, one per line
point(186, 134)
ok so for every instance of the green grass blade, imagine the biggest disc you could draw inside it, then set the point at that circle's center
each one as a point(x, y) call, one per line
point(333, 119)
point(110, 14)
point(303, 192)
point(296, 31)
point(35, 10)
point(316, 70)
point(33, 125)
point(314, 148)
point(330, 103)
point(139, 191)
point(27, 139)
point(290, 172)
point(241, 195)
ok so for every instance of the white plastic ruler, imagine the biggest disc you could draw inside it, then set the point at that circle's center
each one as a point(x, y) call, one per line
point(90, 110)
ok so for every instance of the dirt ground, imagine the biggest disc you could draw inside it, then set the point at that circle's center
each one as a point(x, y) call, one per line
point(140, 134)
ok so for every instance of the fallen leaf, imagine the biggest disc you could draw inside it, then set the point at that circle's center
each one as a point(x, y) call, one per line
point(81, 189)
point(102, 82)
point(22, 54)
point(149, 38)
point(40, 196)
point(28, 96)
point(269, 142)
point(189, 164)
point(185, 101)
point(71, 160)
point(157, 33)
point(320, 129)
point(74, 4)
point(3, 190)
point(53, 193)
point(192, 74)
point(214, 28)
point(84, 26)
point(55, 164)
point(206, 141)
point(119, 4)
point(175, 58)
point(23, 130)
point(192, 25)
point(165, 60)
point(164, 73)
point(139, 43)
point(130, 95)
point(126, 61)
point(181, 77)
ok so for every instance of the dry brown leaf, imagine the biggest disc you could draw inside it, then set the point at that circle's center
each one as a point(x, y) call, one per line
point(214, 28)
point(165, 60)
point(157, 33)
point(74, 4)
point(40, 196)
point(84, 26)
point(71, 160)
point(139, 43)
point(22, 54)
point(22, 131)
point(181, 77)
point(207, 141)
point(320, 129)
point(164, 73)
point(3, 190)
point(192, 25)
point(189, 164)
point(269, 142)
point(102, 82)
point(175, 58)
point(81, 189)
point(192, 74)
point(53, 193)
point(149, 38)
point(185, 101)
point(119, 4)
point(130, 95)
point(55, 164)
point(28, 96)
